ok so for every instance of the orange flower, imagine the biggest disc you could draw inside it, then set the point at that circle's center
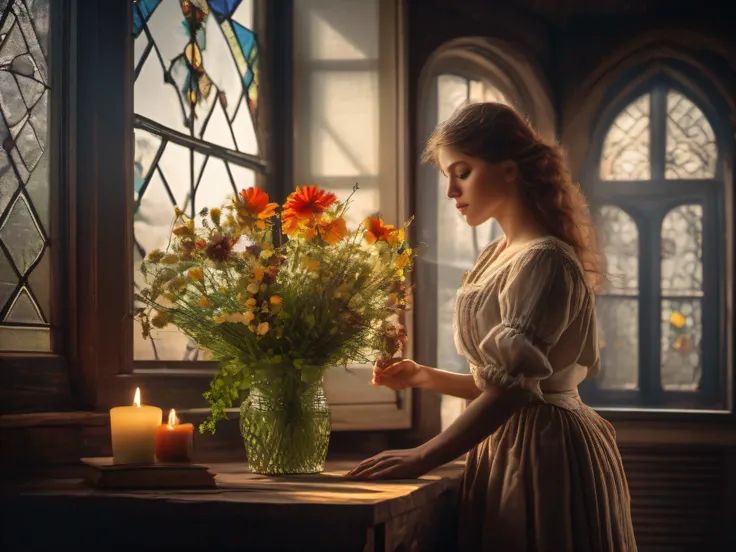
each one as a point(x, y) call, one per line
point(304, 206)
point(331, 232)
point(253, 207)
point(376, 230)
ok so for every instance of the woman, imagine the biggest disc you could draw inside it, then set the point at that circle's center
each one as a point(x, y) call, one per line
point(543, 472)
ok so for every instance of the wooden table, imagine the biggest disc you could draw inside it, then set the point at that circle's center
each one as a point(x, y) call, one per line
point(324, 512)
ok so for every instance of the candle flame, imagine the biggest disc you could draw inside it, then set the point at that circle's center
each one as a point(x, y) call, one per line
point(137, 398)
point(172, 417)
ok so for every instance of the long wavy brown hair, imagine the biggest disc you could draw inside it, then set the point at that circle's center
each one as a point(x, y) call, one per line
point(494, 132)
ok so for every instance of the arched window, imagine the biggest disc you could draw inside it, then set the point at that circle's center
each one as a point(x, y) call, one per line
point(658, 188)
point(466, 71)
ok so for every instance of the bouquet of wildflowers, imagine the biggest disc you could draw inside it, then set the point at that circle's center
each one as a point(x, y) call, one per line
point(278, 310)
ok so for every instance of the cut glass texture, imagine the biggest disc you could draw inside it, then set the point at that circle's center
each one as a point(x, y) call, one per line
point(196, 111)
point(25, 270)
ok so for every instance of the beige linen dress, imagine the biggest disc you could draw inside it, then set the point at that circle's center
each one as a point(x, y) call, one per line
point(550, 479)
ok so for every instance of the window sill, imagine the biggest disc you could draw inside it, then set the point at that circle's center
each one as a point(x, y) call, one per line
point(715, 417)
point(637, 428)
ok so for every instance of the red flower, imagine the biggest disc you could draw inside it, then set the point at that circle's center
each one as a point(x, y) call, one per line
point(304, 207)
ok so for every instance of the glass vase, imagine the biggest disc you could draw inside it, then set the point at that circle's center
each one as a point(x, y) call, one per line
point(286, 427)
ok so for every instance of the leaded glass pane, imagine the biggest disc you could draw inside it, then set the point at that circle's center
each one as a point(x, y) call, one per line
point(682, 251)
point(24, 176)
point(682, 332)
point(196, 105)
point(618, 315)
point(619, 238)
point(618, 336)
point(626, 149)
point(691, 143)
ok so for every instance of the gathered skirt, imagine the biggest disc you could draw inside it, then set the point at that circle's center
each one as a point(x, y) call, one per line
point(549, 480)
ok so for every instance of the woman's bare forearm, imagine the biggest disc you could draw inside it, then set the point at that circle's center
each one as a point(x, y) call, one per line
point(450, 383)
point(483, 417)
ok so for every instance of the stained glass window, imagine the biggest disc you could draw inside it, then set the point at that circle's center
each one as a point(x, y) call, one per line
point(691, 143)
point(196, 112)
point(618, 307)
point(682, 292)
point(25, 257)
point(626, 153)
point(662, 146)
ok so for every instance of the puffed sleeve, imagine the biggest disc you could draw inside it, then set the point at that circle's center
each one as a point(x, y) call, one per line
point(537, 303)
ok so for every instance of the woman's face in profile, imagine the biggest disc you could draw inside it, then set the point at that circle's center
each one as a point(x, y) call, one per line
point(478, 188)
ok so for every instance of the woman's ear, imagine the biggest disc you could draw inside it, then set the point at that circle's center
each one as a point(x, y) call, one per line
point(510, 171)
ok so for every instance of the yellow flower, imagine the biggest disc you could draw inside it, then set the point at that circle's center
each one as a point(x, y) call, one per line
point(204, 302)
point(177, 284)
point(266, 254)
point(252, 328)
point(275, 300)
point(401, 261)
point(251, 302)
point(215, 214)
point(237, 317)
point(252, 288)
point(258, 274)
point(196, 274)
point(677, 320)
point(156, 255)
point(262, 328)
point(185, 229)
point(170, 259)
point(161, 320)
point(310, 264)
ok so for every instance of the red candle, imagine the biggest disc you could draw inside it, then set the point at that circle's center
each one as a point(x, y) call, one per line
point(174, 440)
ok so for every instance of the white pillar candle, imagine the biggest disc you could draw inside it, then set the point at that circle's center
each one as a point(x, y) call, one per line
point(133, 430)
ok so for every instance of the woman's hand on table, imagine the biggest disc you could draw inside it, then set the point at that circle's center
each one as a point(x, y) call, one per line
point(392, 464)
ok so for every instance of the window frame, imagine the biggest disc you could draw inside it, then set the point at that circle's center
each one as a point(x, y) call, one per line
point(355, 404)
point(107, 372)
point(41, 381)
point(648, 207)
